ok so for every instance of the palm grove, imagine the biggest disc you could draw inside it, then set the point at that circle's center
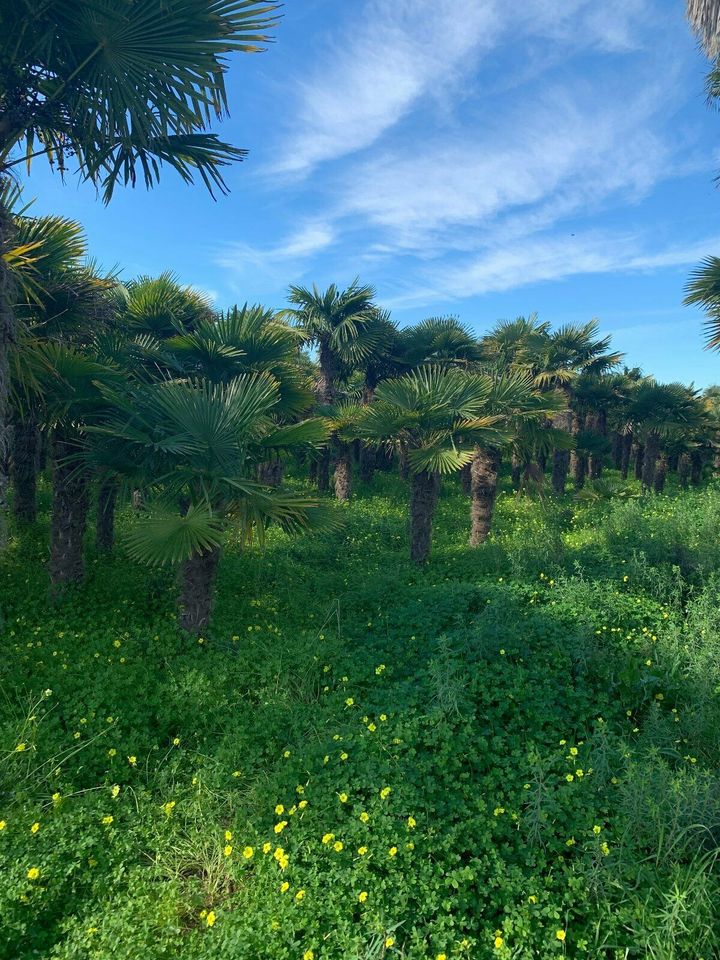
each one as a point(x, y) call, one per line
point(140, 391)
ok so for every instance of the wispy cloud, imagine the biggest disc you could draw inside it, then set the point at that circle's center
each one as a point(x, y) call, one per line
point(378, 68)
point(544, 259)
point(311, 239)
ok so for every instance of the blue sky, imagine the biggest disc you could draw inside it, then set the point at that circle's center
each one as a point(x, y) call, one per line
point(475, 157)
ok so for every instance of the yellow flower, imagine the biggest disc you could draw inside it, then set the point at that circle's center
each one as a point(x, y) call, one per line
point(569, 777)
point(107, 820)
point(176, 741)
point(286, 754)
point(34, 828)
point(392, 852)
point(337, 846)
point(302, 804)
point(283, 862)
point(169, 807)
point(573, 751)
point(560, 934)
point(372, 728)
point(228, 834)
point(389, 941)
point(441, 956)
point(248, 852)
point(308, 955)
point(411, 822)
point(362, 851)
point(364, 817)
point(498, 942)
point(385, 792)
point(284, 886)
point(343, 756)
point(132, 761)
point(343, 797)
point(498, 810)
point(20, 747)
point(604, 848)
point(327, 837)
point(33, 873)
point(532, 898)
point(114, 791)
point(267, 847)
point(279, 827)
point(362, 896)
point(112, 752)
point(300, 895)
point(210, 919)
point(56, 798)
point(3, 824)
point(228, 850)
point(349, 702)
point(279, 809)
point(596, 829)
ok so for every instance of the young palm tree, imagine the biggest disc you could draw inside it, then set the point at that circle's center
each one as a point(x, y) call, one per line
point(122, 88)
point(341, 325)
point(438, 415)
point(198, 444)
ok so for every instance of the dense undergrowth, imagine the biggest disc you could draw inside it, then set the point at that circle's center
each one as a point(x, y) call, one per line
point(512, 753)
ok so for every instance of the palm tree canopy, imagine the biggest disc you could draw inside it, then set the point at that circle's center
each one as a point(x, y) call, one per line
point(343, 320)
point(703, 290)
point(439, 341)
point(433, 411)
point(123, 86)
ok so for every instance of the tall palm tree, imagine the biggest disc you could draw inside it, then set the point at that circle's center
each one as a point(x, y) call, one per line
point(341, 325)
point(122, 88)
point(199, 444)
point(438, 415)
point(440, 341)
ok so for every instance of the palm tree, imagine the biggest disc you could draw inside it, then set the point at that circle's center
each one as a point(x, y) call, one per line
point(341, 325)
point(199, 444)
point(122, 88)
point(439, 341)
point(704, 17)
point(438, 415)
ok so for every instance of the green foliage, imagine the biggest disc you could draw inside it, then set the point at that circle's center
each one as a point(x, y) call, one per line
point(521, 740)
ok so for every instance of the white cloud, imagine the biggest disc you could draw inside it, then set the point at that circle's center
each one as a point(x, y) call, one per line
point(543, 259)
point(305, 243)
point(378, 68)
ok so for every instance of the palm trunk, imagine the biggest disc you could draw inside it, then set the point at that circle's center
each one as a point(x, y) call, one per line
point(403, 467)
point(423, 500)
point(105, 520)
point(483, 491)
point(639, 457)
point(24, 469)
point(197, 582)
point(466, 479)
point(71, 498)
point(661, 468)
point(684, 468)
point(617, 448)
point(696, 467)
point(329, 371)
point(627, 442)
point(343, 473)
point(652, 449)
point(561, 458)
point(580, 470)
point(270, 472)
point(7, 338)
point(313, 471)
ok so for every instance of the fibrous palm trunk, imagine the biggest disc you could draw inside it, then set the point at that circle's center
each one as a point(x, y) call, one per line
point(466, 479)
point(197, 582)
point(25, 456)
point(105, 520)
point(561, 458)
point(403, 466)
point(270, 472)
point(71, 498)
point(483, 491)
point(661, 468)
point(343, 472)
point(652, 450)
point(684, 468)
point(7, 338)
point(424, 488)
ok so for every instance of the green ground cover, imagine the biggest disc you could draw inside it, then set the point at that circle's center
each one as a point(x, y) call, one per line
point(511, 753)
